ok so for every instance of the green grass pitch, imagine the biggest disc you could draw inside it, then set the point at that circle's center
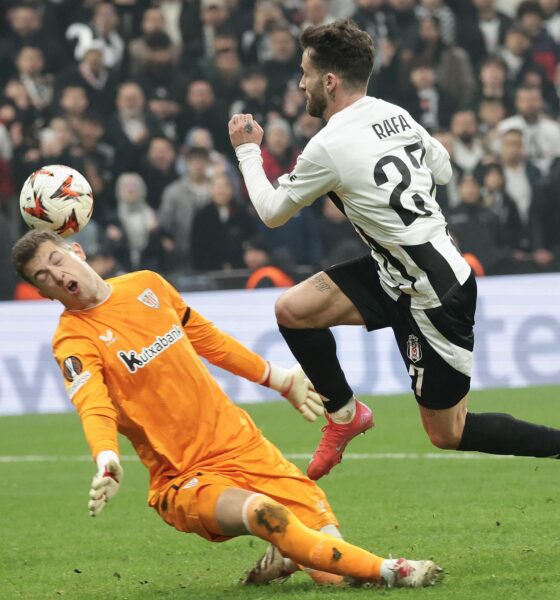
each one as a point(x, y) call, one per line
point(493, 524)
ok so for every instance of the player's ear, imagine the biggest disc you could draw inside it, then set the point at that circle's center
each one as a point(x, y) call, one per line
point(78, 250)
point(330, 81)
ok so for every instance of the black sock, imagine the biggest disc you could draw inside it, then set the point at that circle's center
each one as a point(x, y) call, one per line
point(315, 350)
point(497, 433)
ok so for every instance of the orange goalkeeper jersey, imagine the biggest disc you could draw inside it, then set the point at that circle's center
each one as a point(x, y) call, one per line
point(132, 363)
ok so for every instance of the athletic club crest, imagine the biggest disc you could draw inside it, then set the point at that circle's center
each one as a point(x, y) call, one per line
point(413, 349)
point(148, 298)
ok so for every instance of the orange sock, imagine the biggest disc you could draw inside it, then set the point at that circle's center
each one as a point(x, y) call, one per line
point(275, 523)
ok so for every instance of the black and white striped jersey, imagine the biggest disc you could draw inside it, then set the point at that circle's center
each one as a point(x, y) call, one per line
point(381, 167)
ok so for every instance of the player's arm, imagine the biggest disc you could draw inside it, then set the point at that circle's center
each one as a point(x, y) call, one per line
point(437, 158)
point(82, 370)
point(312, 177)
point(224, 351)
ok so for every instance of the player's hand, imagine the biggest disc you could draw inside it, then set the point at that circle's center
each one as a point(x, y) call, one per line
point(104, 485)
point(243, 130)
point(297, 389)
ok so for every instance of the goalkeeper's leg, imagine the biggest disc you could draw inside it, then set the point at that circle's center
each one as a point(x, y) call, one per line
point(239, 512)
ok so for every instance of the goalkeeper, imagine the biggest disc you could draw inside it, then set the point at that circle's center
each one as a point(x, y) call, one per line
point(129, 349)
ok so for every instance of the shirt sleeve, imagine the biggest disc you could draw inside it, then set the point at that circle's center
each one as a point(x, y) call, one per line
point(216, 346)
point(313, 176)
point(437, 158)
point(81, 368)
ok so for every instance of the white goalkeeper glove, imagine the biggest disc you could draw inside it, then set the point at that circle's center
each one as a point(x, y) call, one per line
point(105, 484)
point(296, 388)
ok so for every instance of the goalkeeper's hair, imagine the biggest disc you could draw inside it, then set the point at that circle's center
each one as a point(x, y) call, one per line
point(24, 250)
point(342, 48)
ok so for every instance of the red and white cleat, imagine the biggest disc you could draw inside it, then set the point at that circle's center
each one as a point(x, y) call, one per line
point(335, 439)
point(413, 573)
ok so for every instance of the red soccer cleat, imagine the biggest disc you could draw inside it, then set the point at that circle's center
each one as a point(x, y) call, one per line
point(335, 439)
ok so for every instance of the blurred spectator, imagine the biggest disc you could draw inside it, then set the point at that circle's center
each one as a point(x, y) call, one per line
point(73, 103)
point(255, 42)
point(159, 71)
point(153, 21)
point(283, 64)
point(30, 65)
point(544, 50)
point(468, 150)
point(180, 202)
point(305, 128)
point(99, 162)
point(26, 29)
point(541, 133)
point(134, 228)
point(93, 76)
point(316, 12)
point(198, 37)
point(404, 18)
point(484, 32)
point(495, 197)
point(132, 126)
point(219, 229)
point(278, 153)
point(266, 271)
point(551, 12)
point(445, 16)
point(225, 75)
point(374, 17)
point(254, 98)
point(202, 110)
point(198, 137)
point(338, 236)
point(298, 241)
point(494, 84)
point(104, 29)
point(7, 275)
point(454, 74)
point(423, 99)
point(516, 53)
point(524, 184)
point(104, 262)
point(476, 230)
point(158, 169)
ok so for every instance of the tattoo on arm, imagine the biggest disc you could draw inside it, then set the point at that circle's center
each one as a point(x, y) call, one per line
point(320, 282)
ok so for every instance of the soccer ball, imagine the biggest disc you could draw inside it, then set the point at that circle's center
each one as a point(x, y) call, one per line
point(58, 198)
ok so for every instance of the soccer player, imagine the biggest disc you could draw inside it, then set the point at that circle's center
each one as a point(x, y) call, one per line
point(129, 349)
point(380, 168)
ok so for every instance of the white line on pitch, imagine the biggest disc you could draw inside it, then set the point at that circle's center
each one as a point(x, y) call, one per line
point(291, 456)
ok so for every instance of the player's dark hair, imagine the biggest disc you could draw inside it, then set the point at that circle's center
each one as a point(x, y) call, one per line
point(26, 247)
point(342, 48)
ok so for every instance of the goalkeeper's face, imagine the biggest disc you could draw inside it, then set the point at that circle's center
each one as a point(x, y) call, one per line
point(61, 273)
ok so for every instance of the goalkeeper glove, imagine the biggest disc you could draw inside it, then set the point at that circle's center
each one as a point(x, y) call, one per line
point(105, 484)
point(296, 388)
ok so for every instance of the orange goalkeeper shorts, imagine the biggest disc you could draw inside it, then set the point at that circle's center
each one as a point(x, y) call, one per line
point(188, 502)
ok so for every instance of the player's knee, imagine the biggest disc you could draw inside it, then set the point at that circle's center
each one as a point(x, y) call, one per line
point(445, 440)
point(286, 311)
point(266, 517)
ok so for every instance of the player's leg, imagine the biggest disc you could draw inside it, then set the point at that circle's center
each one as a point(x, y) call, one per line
point(346, 294)
point(437, 346)
point(240, 512)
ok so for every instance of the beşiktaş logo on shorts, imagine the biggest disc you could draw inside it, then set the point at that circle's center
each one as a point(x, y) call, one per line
point(148, 298)
point(134, 360)
point(413, 349)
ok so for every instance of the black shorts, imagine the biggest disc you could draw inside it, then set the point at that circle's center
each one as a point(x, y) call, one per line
point(436, 344)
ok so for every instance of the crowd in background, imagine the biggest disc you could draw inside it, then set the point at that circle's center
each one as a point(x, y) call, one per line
point(136, 95)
